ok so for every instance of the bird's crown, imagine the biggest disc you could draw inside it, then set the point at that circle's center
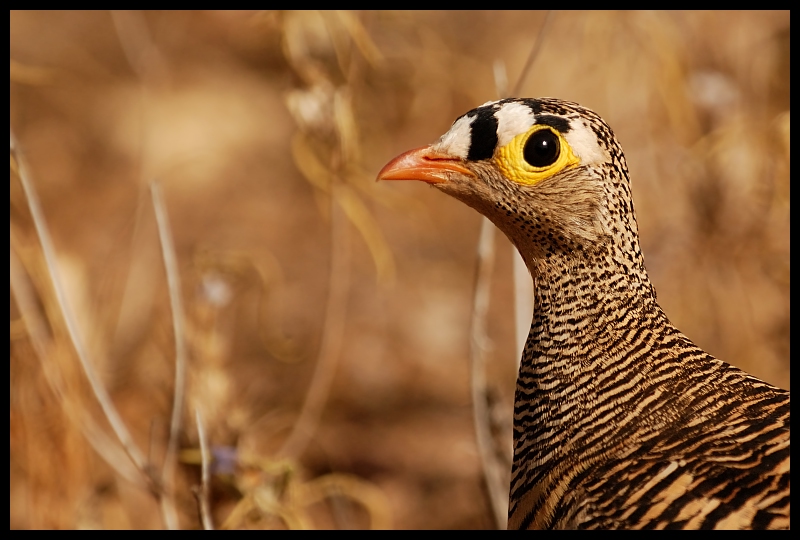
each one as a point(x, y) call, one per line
point(528, 139)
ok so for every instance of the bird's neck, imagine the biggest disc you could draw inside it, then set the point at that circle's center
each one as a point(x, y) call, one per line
point(581, 295)
point(585, 305)
point(583, 301)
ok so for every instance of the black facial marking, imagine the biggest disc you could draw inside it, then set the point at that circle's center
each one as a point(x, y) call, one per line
point(484, 134)
point(534, 104)
point(559, 124)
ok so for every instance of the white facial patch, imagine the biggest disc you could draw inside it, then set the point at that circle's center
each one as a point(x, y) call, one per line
point(583, 141)
point(512, 119)
point(458, 139)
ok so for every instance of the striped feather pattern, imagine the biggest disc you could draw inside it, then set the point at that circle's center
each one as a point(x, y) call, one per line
point(620, 421)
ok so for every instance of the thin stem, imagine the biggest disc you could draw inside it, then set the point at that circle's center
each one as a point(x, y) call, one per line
point(205, 514)
point(523, 300)
point(537, 47)
point(332, 334)
point(36, 327)
point(178, 324)
point(498, 492)
point(99, 391)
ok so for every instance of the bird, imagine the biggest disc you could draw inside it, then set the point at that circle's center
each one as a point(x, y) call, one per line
point(620, 420)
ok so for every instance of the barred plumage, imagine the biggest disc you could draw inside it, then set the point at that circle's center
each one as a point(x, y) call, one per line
point(620, 421)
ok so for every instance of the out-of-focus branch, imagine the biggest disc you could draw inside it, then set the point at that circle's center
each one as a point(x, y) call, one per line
point(149, 65)
point(498, 492)
point(38, 335)
point(176, 305)
point(523, 301)
point(500, 78)
point(537, 46)
point(137, 45)
point(332, 334)
point(202, 494)
point(99, 391)
point(324, 113)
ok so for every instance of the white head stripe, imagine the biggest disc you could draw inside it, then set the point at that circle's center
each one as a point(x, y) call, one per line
point(458, 139)
point(512, 119)
point(584, 144)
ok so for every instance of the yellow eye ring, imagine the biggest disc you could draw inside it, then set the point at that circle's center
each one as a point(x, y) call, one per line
point(511, 157)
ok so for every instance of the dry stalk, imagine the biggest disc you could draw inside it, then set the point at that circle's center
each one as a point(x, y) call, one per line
point(138, 47)
point(202, 495)
point(330, 178)
point(523, 301)
point(147, 62)
point(93, 433)
point(73, 329)
point(537, 46)
point(179, 325)
point(498, 493)
point(36, 328)
point(332, 335)
point(331, 485)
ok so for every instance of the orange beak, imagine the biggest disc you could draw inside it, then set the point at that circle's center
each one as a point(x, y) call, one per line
point(423, 164)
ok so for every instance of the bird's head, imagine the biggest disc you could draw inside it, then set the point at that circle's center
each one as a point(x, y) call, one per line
point(549, 173)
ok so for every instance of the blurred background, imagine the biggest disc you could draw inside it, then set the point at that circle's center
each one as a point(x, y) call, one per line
point(326, 315)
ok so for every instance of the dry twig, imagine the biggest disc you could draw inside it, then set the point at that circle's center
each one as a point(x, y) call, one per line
point(330, 178)
point(179, 324)
point(99, 391)
point(202, 494)
point(36, 328)
point(145, 59)
point(332, 336)
point(498, 494)
point(537, 46)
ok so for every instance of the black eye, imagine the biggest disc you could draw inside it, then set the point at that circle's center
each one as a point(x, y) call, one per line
point(542, 148)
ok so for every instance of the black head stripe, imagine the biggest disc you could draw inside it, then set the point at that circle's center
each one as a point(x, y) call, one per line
point(556, 122)
point(484, 134)
point(534, 104)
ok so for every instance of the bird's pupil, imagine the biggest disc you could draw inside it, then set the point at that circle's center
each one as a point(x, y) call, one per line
point(542, 148)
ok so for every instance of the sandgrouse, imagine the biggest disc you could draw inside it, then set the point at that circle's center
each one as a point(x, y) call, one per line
point(620, 421)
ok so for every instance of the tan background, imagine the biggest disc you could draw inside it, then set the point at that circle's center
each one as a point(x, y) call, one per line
point(246, 120)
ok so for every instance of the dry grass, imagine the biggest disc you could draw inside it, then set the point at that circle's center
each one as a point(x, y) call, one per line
point(298, 271)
